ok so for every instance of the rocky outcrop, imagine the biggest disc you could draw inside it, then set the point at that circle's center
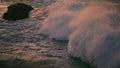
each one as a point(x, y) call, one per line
point(17, 11)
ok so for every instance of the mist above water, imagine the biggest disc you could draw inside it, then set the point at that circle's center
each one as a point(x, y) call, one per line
point(91, 26)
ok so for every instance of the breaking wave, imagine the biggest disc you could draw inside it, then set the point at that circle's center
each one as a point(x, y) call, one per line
point(91, 26)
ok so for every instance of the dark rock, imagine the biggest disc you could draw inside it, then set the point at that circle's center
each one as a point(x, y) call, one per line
point(78, 63)
point(61, 41)
point(17, 11)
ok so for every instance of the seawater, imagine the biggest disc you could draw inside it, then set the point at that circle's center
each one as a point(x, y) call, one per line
point(91, 28)
point(23, 46)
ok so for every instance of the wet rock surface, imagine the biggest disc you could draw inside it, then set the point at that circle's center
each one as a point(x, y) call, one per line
point(17, 11)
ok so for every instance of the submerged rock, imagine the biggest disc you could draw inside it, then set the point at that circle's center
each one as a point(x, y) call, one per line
point(17, 11)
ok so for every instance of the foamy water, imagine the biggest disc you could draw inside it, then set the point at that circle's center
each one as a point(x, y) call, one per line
point(23, 46)
point(92, 28)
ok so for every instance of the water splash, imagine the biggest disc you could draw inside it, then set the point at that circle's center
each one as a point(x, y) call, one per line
point(91, 26)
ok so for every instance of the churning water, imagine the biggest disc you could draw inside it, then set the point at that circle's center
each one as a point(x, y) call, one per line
point(92, 28)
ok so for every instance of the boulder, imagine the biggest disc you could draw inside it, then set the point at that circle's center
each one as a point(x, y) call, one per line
point(17, 11)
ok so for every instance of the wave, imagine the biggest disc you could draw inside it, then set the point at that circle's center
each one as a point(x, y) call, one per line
point(92, 28)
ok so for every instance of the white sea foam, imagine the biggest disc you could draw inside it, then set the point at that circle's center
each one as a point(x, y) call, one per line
point(92, 28)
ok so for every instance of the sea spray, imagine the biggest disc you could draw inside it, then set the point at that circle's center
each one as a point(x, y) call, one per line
point(92, 28)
